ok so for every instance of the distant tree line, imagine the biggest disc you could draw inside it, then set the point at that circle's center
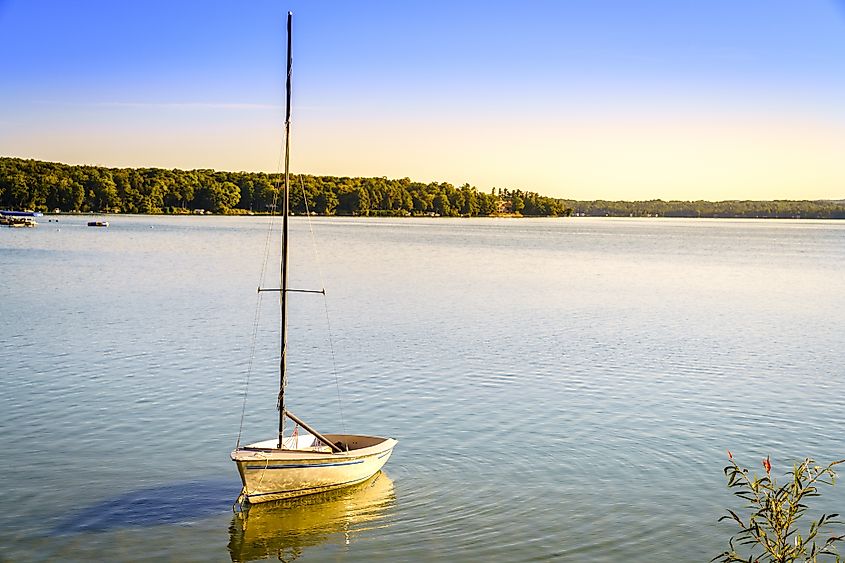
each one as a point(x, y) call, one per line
point(47, 186)
point(777, 209)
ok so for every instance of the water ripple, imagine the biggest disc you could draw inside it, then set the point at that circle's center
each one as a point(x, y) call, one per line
point(559, 389)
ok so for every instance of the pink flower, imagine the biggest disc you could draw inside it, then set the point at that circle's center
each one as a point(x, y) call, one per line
point(767, 464)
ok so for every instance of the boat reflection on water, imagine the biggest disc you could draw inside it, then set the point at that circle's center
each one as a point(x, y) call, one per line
point(283, 529)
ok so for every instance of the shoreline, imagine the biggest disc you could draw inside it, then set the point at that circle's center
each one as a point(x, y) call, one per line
point(433, 217)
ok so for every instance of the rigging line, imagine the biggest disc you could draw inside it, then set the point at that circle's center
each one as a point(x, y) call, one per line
point(334, 363)
point(325, 304)
point(257, 317)
point(256, 322)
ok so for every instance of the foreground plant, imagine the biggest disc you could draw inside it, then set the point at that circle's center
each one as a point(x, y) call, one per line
point(771, 524)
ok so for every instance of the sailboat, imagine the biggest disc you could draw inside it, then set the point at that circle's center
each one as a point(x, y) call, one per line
point(302, 464)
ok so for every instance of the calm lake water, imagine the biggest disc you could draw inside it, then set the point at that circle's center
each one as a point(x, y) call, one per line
point(560, 388)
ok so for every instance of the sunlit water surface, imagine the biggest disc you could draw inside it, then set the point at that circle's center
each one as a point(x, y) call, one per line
point(559, 388)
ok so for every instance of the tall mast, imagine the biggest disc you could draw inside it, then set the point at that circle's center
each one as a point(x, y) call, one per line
point(285, 212)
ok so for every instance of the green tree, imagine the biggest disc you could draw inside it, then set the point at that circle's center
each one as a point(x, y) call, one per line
point(517, 204)
point(101, 191)
point(18, 193)
point(216, 196)
point(326, 202)
point(180, 191)
point(441, 205)
point(363, 202)
point(469, 206)
point(422, 201)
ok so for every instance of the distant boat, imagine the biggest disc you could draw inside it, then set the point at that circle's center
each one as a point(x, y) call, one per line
point(19, 218)
point(98, 223)
point(302, 464)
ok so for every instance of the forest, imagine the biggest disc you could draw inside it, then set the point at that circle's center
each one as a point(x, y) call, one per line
point(48, 186)
point(36, 185)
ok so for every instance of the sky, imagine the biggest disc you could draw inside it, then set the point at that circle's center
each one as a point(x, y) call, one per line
point(582, 99)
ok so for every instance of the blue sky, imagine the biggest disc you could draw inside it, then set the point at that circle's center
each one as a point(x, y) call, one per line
point(613, 99)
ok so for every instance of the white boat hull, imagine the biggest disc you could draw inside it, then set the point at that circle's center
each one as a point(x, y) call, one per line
point(270, 474)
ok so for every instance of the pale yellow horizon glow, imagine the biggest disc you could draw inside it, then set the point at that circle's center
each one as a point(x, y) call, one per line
point(633, 159)
point(656, 157)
